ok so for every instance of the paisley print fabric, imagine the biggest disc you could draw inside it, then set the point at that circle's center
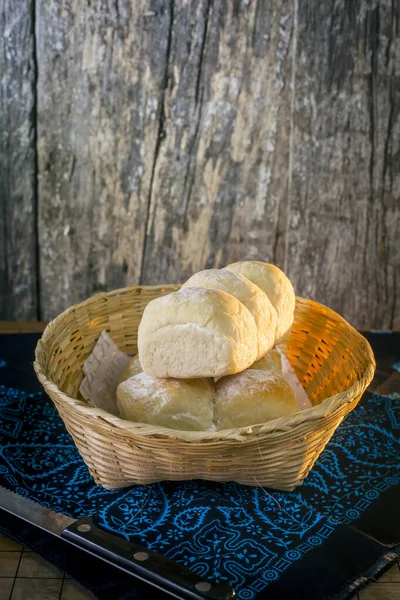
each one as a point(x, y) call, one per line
point(246, 536)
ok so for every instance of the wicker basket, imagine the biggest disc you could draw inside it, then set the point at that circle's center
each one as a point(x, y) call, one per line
point(334, 363)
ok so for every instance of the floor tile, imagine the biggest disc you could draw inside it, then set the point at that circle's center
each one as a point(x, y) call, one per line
point(5, 587)
point(392, 575)
point(380, 591)
point(33, 565)
point(9, 563)
point(36, 589)
point(7, 544)
point(73, 591)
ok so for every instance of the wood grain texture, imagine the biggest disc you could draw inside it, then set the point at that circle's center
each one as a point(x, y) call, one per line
point(18, 274)
point(151, 119)
point(100, 88)
point(343, 246)
point(380, 591)
point(174, 136)
point(392, 575)
point(221, 172)
point(22, 327)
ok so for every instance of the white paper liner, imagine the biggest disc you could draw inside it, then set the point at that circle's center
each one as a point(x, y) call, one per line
point(104, 367)
point(289, 374)
point(103, 370)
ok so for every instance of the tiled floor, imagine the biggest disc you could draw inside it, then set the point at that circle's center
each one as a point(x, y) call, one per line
point(24, 575)
point(387, 588)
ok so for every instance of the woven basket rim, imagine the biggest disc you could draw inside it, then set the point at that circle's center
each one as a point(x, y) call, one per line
point(328, 406)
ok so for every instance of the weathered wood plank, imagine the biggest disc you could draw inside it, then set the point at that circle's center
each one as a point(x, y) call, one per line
point(392, 575)
point(22, 326)
point(166, 141)
point(221, 173)
point(345, 196)
point(101, 82)
point(17, 162)
point(380, 591)
point(148, 118)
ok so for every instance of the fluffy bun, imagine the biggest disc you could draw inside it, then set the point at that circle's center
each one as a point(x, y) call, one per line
point(249, 294)
point(178, 404)
point(196, 332)
point(252, 397)
point(133, 368)
point(276, 285)
point(270, 362)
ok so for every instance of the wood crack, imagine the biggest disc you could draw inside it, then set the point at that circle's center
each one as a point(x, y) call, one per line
point(3, 204)
point(199, 105)
point(291, 134)
point(385, 171)
point(394, 302)
point(203, 43)
point(372, 35)
point(160, 137)
point(34, 123)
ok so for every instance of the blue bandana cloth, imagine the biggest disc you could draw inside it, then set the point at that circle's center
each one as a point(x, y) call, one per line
point(226, 532)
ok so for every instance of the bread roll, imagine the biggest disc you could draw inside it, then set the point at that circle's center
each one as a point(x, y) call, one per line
point(252, 397)
point(133, 368)
point(270, 362)
point(185, 405)
point(196, 332)
point(276, 285)
point(247, 293)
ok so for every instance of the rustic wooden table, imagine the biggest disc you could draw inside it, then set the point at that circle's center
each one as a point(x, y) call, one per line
point(26, 576)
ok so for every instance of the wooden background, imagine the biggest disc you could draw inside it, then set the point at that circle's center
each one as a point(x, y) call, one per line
point(142, 141)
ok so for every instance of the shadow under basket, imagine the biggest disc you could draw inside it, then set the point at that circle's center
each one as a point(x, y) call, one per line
point(332, 360)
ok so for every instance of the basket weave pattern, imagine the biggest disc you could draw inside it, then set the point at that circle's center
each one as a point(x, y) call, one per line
point(334, 363)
